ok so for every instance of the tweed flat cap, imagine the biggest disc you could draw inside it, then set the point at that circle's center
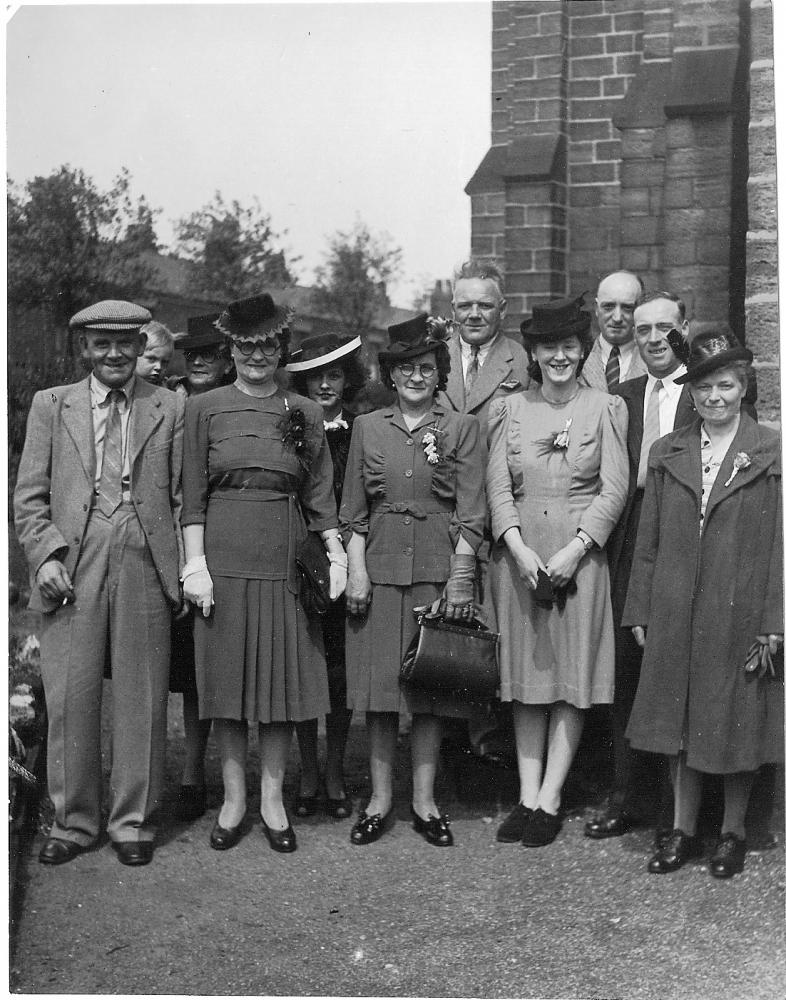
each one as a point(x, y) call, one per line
point(111, 314)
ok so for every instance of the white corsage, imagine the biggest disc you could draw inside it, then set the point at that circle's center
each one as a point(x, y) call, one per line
point(742, 461)
point(558, 441)
point(334, 425)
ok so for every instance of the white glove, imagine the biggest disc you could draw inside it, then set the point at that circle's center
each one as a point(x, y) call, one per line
point(338, 574)
point(198, 584)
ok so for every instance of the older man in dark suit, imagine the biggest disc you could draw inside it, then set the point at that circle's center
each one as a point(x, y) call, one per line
point(97, 508)
point(656, 406)
point(614, 357)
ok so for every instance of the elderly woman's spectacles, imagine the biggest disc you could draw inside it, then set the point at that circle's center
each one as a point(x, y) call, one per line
point(268, 347)
point(408, 370)
point(207, 354)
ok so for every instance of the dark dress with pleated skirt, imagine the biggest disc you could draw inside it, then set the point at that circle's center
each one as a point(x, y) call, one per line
point(259, 657)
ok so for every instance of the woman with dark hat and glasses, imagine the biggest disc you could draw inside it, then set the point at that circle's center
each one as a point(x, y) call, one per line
point(413, 509)
point(328, 370)
point(256, 473)
point(208, 365)
point(705, 601)
point(556, 484)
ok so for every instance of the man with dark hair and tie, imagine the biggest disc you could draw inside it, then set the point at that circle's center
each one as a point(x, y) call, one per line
point(97, 510)
point(614, 357)
point(656, 406)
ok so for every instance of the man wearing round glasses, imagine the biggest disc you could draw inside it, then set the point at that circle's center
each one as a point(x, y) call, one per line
point(208, 364)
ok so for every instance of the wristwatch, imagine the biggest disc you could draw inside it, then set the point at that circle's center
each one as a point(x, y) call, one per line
point(585, 540)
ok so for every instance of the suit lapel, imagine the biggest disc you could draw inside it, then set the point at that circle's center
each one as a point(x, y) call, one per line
point(746, 441)
point(145, 416)
point(685, 411)
point(455, 387)
point(593, 372)
point(495, 370)
point(78, 421)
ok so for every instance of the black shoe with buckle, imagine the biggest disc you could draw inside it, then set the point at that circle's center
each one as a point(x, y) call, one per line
point(435, 829)
point(678, 848)
point(729, 856)
point(370, 828)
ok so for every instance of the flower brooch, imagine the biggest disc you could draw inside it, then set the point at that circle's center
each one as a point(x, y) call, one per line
point(558, 441)
point(742, 461)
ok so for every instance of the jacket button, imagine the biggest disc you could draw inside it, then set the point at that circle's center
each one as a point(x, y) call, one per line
point(408, 551)
point(407, 520)
point(408, 473)
point(138, 500)
point(84, 506)
point(410, 441)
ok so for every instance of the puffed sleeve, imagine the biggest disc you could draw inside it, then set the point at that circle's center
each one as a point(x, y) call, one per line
point(353, 513)
point(600, 518)
point(317, 499)
point(195, 462)
point(637, 604)
point(499, 488)
point(470, 514)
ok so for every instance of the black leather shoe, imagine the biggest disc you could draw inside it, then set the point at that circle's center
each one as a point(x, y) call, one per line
point(676, 850)
point(306, 805)
point(222, 838)
point(283, 841)
point(729, 856)
point(541, 829)
point(512, 827)
point(191, 803)
point(612, 824)
point(339, 808)
point(370, 828)
point(56, 851)
point(134, 852)
point(435, 829)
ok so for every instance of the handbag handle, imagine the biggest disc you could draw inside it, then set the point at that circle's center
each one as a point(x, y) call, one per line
point(479, 618)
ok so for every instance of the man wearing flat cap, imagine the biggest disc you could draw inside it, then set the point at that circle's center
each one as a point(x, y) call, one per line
point(97, 510)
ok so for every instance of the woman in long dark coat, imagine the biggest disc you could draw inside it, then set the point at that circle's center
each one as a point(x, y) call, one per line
point(328, 371)
point(706, 585)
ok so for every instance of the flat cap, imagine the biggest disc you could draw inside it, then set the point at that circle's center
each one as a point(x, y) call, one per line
point(111, 314)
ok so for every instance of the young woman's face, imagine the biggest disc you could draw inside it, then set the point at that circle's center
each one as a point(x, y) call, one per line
point(326, 387)
point(559, 360)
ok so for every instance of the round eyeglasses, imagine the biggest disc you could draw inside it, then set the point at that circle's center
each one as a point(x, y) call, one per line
point(207, 354)
point(408, 370)
point(269, 347)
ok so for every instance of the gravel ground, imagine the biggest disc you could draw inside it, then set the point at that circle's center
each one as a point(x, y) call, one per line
point(580, 918)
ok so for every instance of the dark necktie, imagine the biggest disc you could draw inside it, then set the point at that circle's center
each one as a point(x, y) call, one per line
point(651, 432)
point(613, 369)
point(110, 487)
point(472, 371)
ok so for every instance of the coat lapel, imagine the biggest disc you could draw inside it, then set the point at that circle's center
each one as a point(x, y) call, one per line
point(746, 441)
point(78, 421)
point(145, 416)
point(685, 411)
point(454, 391)
point(683, 460)
point(495, 370)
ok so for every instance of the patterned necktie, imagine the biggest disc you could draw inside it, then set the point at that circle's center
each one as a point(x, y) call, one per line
point(651, 432)
point(613, 369)
point(472, 371)
point(110, 487)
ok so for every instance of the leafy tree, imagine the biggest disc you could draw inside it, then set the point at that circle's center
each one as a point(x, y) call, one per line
point(234, 248)
point(351, 286)
point(69, 243)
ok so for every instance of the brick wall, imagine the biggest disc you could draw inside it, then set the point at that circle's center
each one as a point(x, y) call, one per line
point(622, 134)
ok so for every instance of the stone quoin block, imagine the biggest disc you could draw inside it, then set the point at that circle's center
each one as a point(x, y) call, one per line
point(548, 66)
point(600, 24)
point(590, 46)
point(761, 32)
point(540, 215)
point(636, 201)
point(657, 46)
point(553, 23)
point(761, 321)
point(593, 173)
point(588, 195)
point(522, 69)
point(685, 223)
point(622, 43)
point(641, 173)
point(614, 86)
point(658, 21)
point(519, 260)
point(627, 65)
point(611, 150)
point(593, 66)
point(630, 21)
point(638, 143)
point(586, 88)
point(482, 246)
point(639, 230)
point(588, 237)
point(588, 108)
point(590, 131)
point(768, 402)
point(689, 36)
point(582, 152)
point(530, 238)
point(515, 215)
point(679, 253)
point(762, 205)
point(762, 92)
point(761, 150)
point(539, 45)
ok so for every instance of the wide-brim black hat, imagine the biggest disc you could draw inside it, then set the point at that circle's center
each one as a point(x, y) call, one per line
point(710, 351)
point(557, 319)
point(201, 331)
point(321, 351)
point(415, 337)
point(258, 313)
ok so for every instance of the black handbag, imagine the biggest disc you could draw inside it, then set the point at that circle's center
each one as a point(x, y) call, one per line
point(454, 658)
point(314, 571)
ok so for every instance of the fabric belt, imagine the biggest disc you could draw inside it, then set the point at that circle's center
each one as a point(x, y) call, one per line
point(271, 496)
point(417, 508)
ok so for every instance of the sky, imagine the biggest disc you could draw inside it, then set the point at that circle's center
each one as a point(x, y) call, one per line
point(328, 113)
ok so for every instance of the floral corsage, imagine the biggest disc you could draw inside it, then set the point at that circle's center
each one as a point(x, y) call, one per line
point(742, 461)
point(293, 433)
point(439, 328)
point(558, 441)
point(430, 442)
